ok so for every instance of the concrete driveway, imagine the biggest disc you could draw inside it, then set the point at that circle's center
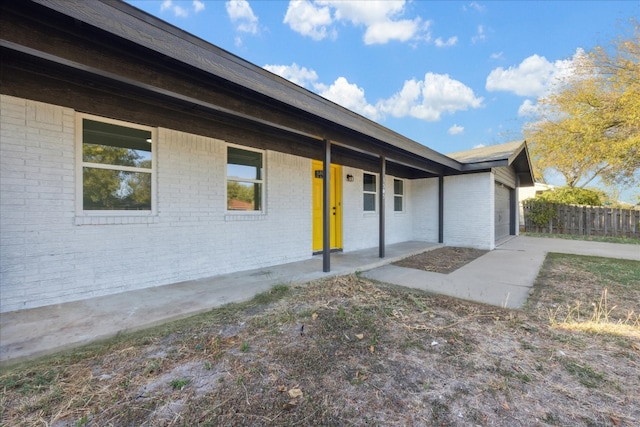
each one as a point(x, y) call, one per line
point(503, 277)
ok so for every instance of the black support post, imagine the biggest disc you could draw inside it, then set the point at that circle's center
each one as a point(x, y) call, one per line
point(383, 173)
point(440, 209)
point(513, 209)
point(326, 208)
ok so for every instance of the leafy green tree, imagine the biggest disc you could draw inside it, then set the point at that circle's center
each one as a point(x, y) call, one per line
point(100, 187)
point(573, 196)
point(105, 154)
point(140, 185)
point(237, 191)
point(590, 125)
point(112, 189)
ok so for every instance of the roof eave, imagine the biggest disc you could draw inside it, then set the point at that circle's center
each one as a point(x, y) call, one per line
point(158, 36)
point(519, 159)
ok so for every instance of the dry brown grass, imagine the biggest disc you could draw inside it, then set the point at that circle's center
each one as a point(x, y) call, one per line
point(442, 260)
point(348, 351)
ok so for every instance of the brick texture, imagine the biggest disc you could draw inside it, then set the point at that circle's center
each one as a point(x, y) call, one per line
point(49, 254)
point(469, 210)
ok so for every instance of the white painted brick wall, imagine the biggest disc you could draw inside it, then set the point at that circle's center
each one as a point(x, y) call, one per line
point(469, 211)
point(398, 225)
point(47, 259)
point(49, 255)
point(36, 200)
point(424, 207)
point(419, 221)
point(360, 229)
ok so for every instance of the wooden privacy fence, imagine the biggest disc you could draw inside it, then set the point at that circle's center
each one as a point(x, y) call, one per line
point(576, 219)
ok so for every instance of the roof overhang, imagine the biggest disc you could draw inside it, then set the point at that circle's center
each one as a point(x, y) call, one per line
point(159, 41)
point(513, 154)
point(255, 98)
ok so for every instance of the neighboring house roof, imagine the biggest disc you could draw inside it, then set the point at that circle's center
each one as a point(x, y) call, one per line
point(513, 154)
point(489, 153)
point(239, 205)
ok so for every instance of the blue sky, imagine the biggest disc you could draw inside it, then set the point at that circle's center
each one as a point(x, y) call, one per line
point(450, 75)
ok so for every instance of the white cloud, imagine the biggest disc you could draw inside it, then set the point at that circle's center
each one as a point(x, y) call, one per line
point(384, 31)
point(341, 92)
point(424, 99)
point(428, 99)
point(308, 19)
point(527, 109)
point(382, 19)
point(242, 16)
point(474, 6)
point(180, 11)
point(451, 41)
point(365, 12)
point(456, 130)
point(534, 76)
point(198, 6)
point(479, 146)
point(166, 4)
point(498, 55)
point(350, 96)
point(480, 35)
point(299, 75)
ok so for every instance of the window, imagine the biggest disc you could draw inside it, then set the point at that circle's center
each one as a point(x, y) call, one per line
point(369, 192)
point(245, 180)
point(117, 166)
point(398, 195)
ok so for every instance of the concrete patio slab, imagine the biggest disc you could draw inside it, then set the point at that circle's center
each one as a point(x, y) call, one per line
point(27, 334)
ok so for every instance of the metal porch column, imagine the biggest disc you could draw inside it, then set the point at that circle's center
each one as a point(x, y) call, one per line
point(383, 172)
point(326, 209)
point(440, 209)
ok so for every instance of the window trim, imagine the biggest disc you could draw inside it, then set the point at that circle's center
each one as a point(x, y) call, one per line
point(400, 195)
point(375, 193)
point(80, 164)
point(263, 181)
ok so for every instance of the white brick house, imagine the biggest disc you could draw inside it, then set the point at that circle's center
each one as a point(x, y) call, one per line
point(119, 171)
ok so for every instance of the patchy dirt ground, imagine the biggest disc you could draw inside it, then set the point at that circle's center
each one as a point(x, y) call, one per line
point(442, 260)
point(348, 351)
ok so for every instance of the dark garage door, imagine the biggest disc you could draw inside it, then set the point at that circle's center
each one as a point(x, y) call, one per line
point(503, 213)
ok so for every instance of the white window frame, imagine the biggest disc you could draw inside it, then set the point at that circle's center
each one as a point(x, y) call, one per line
point(375, 193)
point(262, 181)
point(80, 164)
point(400, 195)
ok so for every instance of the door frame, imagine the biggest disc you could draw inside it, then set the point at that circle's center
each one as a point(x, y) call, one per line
point(316, 209)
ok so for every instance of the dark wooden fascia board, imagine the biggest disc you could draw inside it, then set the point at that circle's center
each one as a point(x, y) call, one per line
point(516, 153)
point(73, 71)
point(134, 25)
point(137, 87)
point(524, 166)
point(91, 47)
point(51, 83)
point(74, 90)
point(521, 162)
point(468, 172)
point(481, 166)
point(525, 179)
point(518, 159)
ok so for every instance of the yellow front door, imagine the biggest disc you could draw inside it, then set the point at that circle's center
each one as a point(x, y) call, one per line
point(335, 206)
